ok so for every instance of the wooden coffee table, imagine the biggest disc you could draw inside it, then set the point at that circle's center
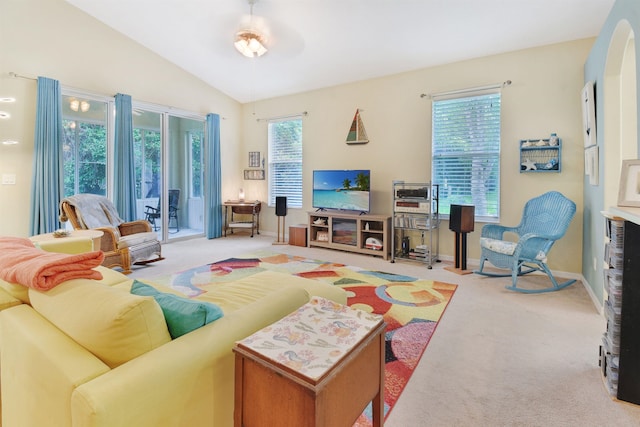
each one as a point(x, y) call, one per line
point(319, 366)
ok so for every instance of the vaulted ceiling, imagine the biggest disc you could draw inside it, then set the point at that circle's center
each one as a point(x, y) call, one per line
point(322, 43)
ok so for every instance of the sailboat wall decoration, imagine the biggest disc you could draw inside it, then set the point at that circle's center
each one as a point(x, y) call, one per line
point(357, 134)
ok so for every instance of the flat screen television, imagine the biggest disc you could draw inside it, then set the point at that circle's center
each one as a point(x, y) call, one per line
point(342, 189)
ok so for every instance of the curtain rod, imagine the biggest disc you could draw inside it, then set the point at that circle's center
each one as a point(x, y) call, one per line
point(471, 89)
point(18, 76)
point(304, 113)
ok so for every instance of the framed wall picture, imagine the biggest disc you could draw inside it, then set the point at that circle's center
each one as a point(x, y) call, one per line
point(254, 174)
point(588, 115)
point(254, 159)
point(629, 190)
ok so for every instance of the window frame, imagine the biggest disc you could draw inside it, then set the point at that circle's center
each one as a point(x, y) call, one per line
point(295, 196)
point(144, 167)
point(191, 162)
point(491, 152)
point(109, 123)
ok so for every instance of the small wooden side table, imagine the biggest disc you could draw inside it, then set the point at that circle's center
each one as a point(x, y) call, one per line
point(298, 235)
point(319, 366)
point(94, 235)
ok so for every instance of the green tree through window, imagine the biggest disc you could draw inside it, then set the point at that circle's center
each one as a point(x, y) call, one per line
point(84, 158)
point(147, 149)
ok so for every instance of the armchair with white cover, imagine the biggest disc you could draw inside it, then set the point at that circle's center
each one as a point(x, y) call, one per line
point(544, 221)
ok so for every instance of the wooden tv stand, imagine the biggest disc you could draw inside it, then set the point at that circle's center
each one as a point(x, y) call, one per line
point(349, 232)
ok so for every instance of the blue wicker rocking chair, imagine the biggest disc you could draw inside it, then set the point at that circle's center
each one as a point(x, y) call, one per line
point(545, 220)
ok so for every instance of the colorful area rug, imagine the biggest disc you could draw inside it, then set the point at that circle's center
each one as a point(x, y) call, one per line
point(411, 307)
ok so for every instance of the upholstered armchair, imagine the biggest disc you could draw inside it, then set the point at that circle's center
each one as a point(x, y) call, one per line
point(123, 243)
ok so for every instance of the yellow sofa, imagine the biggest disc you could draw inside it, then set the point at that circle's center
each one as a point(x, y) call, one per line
point(89, 353)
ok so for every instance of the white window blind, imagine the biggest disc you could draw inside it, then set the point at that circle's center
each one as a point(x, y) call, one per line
point(466, 153)
point(285, 161)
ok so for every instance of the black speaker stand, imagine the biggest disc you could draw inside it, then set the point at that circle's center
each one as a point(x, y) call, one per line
point(460, 266)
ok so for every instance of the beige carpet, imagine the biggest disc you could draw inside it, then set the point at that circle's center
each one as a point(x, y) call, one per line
point(499, 358)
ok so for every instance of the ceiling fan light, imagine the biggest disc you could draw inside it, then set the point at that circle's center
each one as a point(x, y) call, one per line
point(242, 46)
point(254, 44)
point(257, 47)
point(250, 44)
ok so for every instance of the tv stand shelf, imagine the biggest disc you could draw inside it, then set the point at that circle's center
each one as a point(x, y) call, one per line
point(350, 232)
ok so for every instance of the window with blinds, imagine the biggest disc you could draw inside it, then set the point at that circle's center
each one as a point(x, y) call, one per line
point(285, 161)
point(466, 153)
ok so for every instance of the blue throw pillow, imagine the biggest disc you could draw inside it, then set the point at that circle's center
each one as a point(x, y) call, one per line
point(181, 314)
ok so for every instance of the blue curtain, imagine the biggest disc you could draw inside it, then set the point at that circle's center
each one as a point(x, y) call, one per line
point(47, 186)
point(124, 194)
point(213, 198)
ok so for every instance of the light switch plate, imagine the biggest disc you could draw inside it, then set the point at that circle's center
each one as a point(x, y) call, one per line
point(8, 179)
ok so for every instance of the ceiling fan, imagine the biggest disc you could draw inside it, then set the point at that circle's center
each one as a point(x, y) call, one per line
point(256, 35)
point(253, 37)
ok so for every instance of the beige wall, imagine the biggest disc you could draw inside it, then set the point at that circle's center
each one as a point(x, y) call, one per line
point(543, 98)
point(53, 39)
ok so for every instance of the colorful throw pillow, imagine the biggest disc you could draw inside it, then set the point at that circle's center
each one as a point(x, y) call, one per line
point(182, 315)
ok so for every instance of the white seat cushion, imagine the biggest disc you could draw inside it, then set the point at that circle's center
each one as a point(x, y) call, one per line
point(505, 247)
point(136, 239)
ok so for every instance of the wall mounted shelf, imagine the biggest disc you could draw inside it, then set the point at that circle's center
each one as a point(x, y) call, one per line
point(539, 155)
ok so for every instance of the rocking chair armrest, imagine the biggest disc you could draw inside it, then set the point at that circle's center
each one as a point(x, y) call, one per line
point(533, 244)
point(547, 237)
point(134, 227)
point(109, 239)
point(496, 231)
point(155, 210)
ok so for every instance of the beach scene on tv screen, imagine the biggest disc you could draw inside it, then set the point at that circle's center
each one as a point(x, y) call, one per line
point(347, 190)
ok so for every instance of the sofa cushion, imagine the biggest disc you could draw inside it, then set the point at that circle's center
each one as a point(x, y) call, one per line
point(7, 300)
point(181, 314)
point(110, 277)
point(234, 295)
point(505, 247)
point(16, 290)
point(114, 325)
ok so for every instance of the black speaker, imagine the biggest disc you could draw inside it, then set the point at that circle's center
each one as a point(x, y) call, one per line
point(281, 206)
point(461, 218)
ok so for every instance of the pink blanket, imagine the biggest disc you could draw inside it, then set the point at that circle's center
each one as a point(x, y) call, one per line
point(21, 262)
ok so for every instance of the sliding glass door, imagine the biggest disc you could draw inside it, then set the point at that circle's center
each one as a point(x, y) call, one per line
point(147, 146)
point(168, 159)
point(185, 201)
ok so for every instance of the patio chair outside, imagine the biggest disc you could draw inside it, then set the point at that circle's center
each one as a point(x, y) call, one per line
point(152, 214)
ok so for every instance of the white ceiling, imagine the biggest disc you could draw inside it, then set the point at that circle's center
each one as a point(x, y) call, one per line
point(321, 43)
